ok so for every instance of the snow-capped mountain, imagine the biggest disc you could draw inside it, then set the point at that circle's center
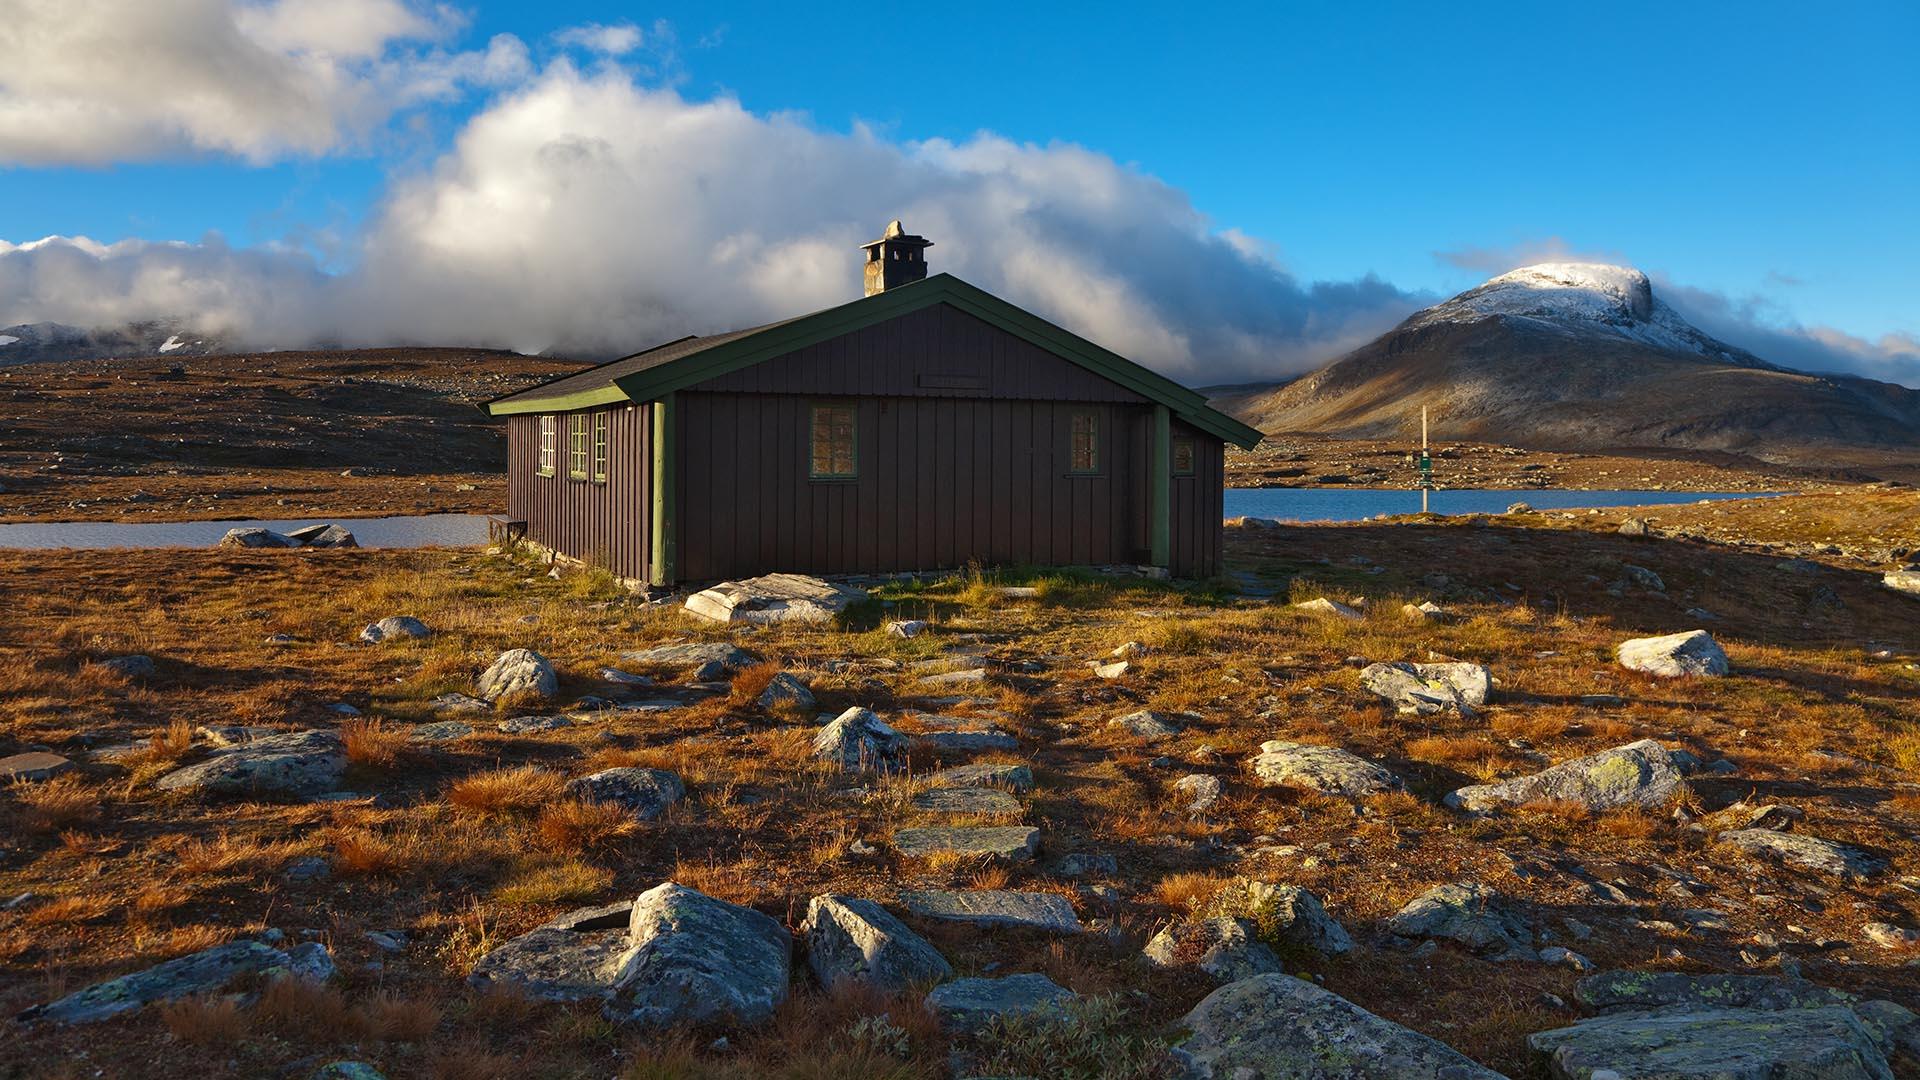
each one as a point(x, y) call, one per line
point(1580, 355)
point(30, 343)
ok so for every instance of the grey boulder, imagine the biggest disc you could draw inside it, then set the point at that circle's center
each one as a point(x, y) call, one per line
point(774, 598)
point(518, 671)
point(132, 667)
point(644, 793)
point(1686, 1043)
point(968, 1004)
point(858, 739)
point(1613, 991)
point(1225, 948)
point(849, 939)
point(1427, 689)
point(322, 536)
point(257, 538)
point(296, 763)
point(1638, 774)
point(1326, 769)
point(698, 960)
point(1690, 654)
point(1149, 725)
point(394, 628)
point(579, 956)
point(204, 972)
point(1284, 913)
point(1903, 581)
point(707, 660)
point(1276, 1027)
point(1802, 852)
point(1468, 913)
point(787, 692)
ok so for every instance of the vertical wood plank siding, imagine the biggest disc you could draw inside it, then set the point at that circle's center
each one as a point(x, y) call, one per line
point(963, 449)
point(605, 525)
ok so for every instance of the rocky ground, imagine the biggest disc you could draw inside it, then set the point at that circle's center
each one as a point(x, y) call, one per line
point(274, 435)
point(441, 814)
point(1302, 460)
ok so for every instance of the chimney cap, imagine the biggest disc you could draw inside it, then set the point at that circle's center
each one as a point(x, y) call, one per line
point(898, 233)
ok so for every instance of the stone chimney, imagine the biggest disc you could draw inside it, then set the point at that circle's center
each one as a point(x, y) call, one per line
point(895, 259)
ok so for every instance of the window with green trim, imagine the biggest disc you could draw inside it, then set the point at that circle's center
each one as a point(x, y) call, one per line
point(544, 466)
point(600, 448)
point(834, 442)
point(578, 445)
point(1083, 447)
point(1183, 456)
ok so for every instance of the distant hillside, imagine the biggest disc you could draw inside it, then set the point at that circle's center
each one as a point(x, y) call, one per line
point(34, 343)
point(1580, 356)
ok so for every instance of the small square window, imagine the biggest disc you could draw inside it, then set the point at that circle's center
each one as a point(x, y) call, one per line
point(1083, 450)
point(1183, 457)
point(599, 448)
point(578, 446)
point(833, 443)
point(549, 436)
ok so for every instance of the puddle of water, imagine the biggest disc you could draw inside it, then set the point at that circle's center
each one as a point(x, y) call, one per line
point(425, 530)
point(1357, 504)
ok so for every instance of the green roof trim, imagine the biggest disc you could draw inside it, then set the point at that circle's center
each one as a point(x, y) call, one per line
point(746, 350)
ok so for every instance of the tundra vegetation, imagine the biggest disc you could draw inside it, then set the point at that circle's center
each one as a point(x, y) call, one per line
point(415, 837)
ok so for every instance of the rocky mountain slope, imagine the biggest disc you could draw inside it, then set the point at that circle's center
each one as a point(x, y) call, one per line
point(31, 343)
point(1581, 356)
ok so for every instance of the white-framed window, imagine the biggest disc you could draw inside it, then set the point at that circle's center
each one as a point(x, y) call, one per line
point(834, 444)
point(579, 446)
point(549, 446)
point(600, 455)
point(1083, 446)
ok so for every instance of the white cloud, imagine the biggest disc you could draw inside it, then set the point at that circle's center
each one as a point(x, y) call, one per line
point(615, 40)
point(91, 82)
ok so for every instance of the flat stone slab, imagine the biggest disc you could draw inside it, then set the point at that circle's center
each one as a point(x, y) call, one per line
point(1802, 852)
point(1333, 608)
point(31, 767)
point(644, 793)
point(1716, 1044)
point(968, 1004)
point(964, 677)
point(558, 964)
point(1326, 769)
point(774, 598)
point(440, 731)
point(204, 972)
point(294, 763)
point(1276, 1027)
point(995, 907)
point(960, 734)
point(460, 703)
point(1638, 774)
point(528, 725)
point(1014, 778)
point(966, 800)
point(1429, 689)
point(1616, 990)
point(855, 940)
point(1016, 842)
point(1149, 725)
point(1690, 654)
point(707, 659)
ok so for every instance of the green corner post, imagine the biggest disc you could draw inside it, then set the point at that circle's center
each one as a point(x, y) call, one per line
point(666, 497)
point(1162, 544)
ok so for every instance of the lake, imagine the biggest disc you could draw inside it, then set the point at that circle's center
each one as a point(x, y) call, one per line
point(462, 530)
point(1357, 504)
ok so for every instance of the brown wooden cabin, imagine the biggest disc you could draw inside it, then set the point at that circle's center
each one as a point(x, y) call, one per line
point(926, 426)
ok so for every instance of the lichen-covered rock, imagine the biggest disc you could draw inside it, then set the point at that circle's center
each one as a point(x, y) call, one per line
point(1469, 913)
point(1226, 948)
point(1638, 774)
point(1282, 913)
point(440, 731)
point(579, 956)
point(531, 725)
point(251, 537)
point(1149, 725)
point(707, 660)
point(1692, 653)
point(1200, 790)
point(1014, 778)
point(1017, 843)
point(1777, 817)
point(858, 739)
point(907, 628)
point(323, 536)
point(967, 1004)
point(1687, 1043)
point(1616, 990)
point(995, 907)
point(1326, 769)
point(960, 734)
point(204, 972)
point(296, 763)
point(394, 628)
point(785, 691)
point(699, 960)
point(32, 767)
point(966, 800)
point(1903, 581)
point(1427, 689)
point(849, 939)
point(1802, 852)
point(644, 793)
point(774, 598)
point(1276, 1027)
point(1323, 606)
point(518, 671)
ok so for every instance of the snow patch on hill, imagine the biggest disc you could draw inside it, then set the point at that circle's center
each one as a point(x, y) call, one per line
point(1586, 298)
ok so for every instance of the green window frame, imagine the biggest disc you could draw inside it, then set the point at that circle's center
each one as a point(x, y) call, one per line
point(600, 448)
point(1183, 455)
point(833, 441)
point(1083, 442)
point(579, 446)
point(547, 450)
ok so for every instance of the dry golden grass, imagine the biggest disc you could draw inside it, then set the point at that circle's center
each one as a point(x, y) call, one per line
point(374, 743)
point(57, 805)
point(554, 883)
point(367, 853)
point(204, 1021)
point(574, 825)
point(1188, 891)
point(227, 854)
point(506, 791)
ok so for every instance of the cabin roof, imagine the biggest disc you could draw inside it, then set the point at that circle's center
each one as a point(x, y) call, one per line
point(675, 365)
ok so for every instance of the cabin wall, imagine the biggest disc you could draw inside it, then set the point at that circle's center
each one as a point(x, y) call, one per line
point(941, 482)
point(607, 525)
point(1199, 505)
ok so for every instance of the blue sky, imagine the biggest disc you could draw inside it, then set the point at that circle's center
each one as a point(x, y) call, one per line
point(1765, 155)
